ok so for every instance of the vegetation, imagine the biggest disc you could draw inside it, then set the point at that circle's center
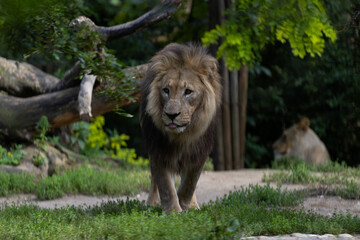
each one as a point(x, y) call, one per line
point(82, 180)
point(332, 179)
point(11, 157)
point(249, 211)
point(251, 25)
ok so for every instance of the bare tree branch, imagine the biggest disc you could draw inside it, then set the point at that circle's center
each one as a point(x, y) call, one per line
point(85, 96)
point(67, 80)
point(159, 13)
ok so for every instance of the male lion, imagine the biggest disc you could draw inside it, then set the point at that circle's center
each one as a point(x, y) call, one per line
point(300, 141)
point(181, 96)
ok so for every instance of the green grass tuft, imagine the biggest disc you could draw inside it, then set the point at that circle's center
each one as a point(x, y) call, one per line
point(338, 179)
point(83, 180)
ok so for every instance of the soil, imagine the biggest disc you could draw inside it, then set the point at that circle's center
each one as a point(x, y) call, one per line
point(212, 185)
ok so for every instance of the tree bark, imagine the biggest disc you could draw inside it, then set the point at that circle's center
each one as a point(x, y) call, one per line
point(243, 88)
point(85, 96)
point(235, 123)
point(159, 13)
point(23, 79)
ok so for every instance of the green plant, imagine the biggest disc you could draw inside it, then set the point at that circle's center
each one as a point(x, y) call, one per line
point(112, 144)
point(41, 140)
point(13, 156)
point(251, 25)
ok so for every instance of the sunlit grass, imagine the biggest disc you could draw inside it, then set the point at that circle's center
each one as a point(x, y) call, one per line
point(250, 211)
point(338, 179)
point(83, 180)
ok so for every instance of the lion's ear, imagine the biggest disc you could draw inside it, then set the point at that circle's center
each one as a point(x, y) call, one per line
point(213, 71)
point(304, 124)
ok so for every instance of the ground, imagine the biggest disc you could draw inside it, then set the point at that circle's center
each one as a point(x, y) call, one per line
point(210, 186)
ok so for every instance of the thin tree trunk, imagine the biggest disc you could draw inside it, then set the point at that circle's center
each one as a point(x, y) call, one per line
point(243, 87)
point(215, 18)
point(227, 120)
point(235, 123)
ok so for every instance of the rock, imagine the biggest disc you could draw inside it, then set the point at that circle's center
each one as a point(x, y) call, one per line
point(23, 167)
point(345, 236)
point(58, 161)
point(51, 161)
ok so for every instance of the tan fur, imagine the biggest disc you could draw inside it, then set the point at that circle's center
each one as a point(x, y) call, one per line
point(181, 97)
point(300, 141)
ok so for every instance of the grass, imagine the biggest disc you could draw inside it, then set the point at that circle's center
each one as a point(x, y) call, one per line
point(337, 179)
point(83, 180)
point(250, 211)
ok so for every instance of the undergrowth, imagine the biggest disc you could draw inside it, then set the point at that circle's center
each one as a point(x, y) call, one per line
point(249, 211)
point(337, 178)
point(83, 180)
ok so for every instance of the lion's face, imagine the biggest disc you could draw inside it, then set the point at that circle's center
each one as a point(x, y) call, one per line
point(284, 144)
point(291, 141)
point(181, 94)
point(183, 91)
point(181, 105)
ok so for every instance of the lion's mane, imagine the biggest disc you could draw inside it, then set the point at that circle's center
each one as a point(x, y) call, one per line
point(195, 144)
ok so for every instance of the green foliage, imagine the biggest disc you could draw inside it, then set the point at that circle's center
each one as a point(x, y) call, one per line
point(93, 140)
point(251, 211)
point(254, 24)
point(114, 145)
point(41, 140)
point(13, 156)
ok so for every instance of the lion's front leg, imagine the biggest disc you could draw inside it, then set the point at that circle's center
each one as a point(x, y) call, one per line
point(168, 196)
point(154, 197)
point(186, 192)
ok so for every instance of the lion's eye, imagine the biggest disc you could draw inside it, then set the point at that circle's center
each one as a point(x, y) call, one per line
point(188, 91)
point(166, 90)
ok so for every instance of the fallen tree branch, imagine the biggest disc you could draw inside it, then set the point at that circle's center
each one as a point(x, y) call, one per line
point(23, 79)
point(19, 116)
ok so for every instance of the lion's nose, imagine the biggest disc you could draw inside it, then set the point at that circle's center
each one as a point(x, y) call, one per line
point(172, 116)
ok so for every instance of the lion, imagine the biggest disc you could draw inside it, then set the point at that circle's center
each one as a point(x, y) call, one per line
point(180, 101)
point(300, 141)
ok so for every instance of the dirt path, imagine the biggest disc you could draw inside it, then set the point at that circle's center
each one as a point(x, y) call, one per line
point(211, 185)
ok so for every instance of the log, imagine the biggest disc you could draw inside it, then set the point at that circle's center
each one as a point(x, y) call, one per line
point(19, 116)
point(23, 79)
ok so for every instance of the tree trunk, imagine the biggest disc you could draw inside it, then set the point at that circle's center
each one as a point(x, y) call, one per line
point(235, 123)
point(243, 88)
point(230, 147)
point(215, 17)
